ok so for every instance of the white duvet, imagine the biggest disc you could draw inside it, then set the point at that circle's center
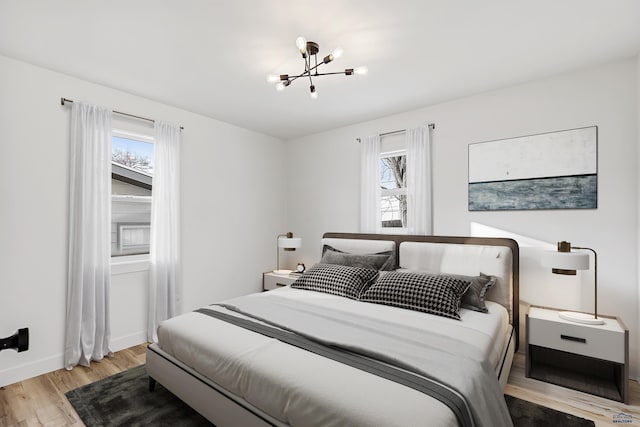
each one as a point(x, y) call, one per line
point(303, 389)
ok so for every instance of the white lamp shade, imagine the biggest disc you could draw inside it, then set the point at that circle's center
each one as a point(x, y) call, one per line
point(289, 243)
point(565, 260)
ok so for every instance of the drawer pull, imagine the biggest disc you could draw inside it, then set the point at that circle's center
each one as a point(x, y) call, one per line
point(280, 284)
point(575, 339)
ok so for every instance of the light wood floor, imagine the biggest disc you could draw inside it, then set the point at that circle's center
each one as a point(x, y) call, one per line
point(40, 401)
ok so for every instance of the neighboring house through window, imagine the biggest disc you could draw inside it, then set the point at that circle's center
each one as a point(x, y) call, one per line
point(132, 177)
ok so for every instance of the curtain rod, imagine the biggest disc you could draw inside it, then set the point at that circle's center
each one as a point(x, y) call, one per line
point(430, 126)
point(64, 100)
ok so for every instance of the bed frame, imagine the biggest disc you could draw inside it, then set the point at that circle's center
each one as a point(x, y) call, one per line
point(223, 408)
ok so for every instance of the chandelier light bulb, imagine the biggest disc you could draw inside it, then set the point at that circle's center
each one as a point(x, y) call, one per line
point(314, 94)
point(361, 71)
point(337, 53)
point(301, 43)
point(280, 87)
point(273, 78)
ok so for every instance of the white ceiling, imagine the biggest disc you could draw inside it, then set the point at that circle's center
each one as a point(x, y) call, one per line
point(212, 57)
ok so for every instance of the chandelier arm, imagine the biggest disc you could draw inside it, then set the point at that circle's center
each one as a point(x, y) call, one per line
point(306, 73)
point(329, 74)
point(292, 78)
point(309, 69)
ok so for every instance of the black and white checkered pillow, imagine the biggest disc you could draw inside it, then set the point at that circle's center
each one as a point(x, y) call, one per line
point(430, 293)
point(336, 279)
point(474, 298)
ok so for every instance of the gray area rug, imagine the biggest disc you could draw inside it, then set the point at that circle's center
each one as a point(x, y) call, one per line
point(527, 414)
point(124, 399)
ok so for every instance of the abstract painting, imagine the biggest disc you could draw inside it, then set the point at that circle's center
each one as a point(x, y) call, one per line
point(555, 170)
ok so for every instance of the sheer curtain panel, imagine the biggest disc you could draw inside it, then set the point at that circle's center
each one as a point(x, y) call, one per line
point(370, 184)
point(87, 323)
point(419, 212)
point(165, 290)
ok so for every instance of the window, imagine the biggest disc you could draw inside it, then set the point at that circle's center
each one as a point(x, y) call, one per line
point(393, 193)
point(132, 176)
point(393, 183)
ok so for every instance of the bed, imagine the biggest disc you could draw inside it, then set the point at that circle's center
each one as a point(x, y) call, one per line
point(295, 356)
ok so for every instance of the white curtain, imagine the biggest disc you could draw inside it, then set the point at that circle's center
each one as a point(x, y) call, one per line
point(419, 211)
point(370, 184)
point(87, 323)
point(165, 289)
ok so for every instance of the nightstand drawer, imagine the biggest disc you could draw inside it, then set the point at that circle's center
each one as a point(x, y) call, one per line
point(573, 338)
point(272, 281)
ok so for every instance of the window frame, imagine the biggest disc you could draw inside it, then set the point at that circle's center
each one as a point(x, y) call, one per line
point(391, 192)
point(122, 264)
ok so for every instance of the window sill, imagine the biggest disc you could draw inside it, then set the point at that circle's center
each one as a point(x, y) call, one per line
point(129, 264)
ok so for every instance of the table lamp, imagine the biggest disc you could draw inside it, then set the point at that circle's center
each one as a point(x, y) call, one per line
point(563, 261)
point(288, 243)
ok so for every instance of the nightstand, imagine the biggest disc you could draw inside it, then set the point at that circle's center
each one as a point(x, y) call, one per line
point(589, 358)
point(271, 280)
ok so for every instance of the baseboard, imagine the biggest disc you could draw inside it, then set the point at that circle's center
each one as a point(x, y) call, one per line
point(32, 369)
point(127, 341)
point(25, 371)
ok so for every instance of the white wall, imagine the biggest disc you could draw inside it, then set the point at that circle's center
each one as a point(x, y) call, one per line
point(225, 250)
point(325, 175)
point(232, 198)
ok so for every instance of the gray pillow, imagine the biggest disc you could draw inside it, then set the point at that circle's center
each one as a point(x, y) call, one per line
point(474, 298)
point(378, 261)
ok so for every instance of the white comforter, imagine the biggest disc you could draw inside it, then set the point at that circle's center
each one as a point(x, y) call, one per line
point(301, 388)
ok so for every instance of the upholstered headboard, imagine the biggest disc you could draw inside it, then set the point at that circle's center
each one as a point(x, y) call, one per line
point(465, 259)
point(447, 254)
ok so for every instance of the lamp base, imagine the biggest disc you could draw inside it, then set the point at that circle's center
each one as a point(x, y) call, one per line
point(283, 272)
point(585, 318)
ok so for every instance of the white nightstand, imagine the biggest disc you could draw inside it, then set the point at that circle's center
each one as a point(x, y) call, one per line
point(271, 280)
point(589, 358)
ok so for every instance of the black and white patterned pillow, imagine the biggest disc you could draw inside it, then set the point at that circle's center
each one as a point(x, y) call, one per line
point(336, 279)
point(474, 298)
point(430, 293)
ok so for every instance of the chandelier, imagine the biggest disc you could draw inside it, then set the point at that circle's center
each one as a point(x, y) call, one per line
point(309, 51)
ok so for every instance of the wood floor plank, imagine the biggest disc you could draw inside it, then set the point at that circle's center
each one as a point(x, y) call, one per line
point(20, 406)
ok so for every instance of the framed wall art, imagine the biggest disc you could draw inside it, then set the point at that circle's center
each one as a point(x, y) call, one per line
point(555, 170)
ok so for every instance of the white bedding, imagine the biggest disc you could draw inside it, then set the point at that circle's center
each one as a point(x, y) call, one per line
point(301, 388)
point(486, 331)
